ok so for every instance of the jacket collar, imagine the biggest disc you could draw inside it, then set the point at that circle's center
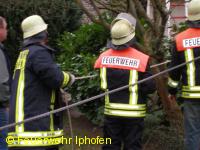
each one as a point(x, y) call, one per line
point(35, 42)
point(47, 47)
point(131, 43)
point(193, 24)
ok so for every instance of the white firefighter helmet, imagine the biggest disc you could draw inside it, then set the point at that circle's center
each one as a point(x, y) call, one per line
point(33, 25)
point(194, 10)
point(122, 32)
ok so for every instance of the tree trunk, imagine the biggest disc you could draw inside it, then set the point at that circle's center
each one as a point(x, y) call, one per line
point(171, 108)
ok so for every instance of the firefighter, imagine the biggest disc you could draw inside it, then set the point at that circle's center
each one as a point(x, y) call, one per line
point(185, 48)
point(5, 82)
point(36, 82)
point(122, 64)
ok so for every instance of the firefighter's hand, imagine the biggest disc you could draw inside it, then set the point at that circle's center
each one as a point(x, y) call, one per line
point(72, 79)
point(66, 97)
point(172, 97)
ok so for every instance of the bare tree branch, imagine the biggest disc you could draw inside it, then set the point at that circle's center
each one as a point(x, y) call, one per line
point(132, 10)
point(159, 5)
point(105, 24)
point(90, 15)
point(161, 17)
point(107, 6)
point(143, 14)
point(79, 2)
point(120, 6)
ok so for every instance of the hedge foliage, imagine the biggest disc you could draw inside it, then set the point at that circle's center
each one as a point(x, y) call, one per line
point(79, 52)
point(60, 15)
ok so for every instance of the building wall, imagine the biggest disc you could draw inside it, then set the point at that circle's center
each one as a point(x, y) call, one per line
point(178, 15)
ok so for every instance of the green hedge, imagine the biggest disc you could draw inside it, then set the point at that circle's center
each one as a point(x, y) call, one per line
point(80, 50)
point(61, 15)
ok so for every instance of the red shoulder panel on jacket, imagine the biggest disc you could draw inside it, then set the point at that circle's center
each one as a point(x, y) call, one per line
point(129, 58)
point(188, 39)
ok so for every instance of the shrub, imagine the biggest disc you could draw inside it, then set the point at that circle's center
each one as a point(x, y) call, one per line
point(61, 15)
point(79, 52)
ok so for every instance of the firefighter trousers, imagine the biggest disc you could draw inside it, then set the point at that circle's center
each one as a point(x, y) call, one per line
point(124, 132)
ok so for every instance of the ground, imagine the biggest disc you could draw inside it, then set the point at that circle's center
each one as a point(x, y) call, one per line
point(83, 130)
point(158, 138)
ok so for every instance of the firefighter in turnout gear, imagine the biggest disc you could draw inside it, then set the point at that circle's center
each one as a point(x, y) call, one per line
point(36, 82)
point(121, 64)
point(185, 48)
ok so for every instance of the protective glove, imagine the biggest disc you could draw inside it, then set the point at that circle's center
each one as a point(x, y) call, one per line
point(72, 79)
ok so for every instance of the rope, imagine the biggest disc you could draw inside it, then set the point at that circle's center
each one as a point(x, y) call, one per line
point(85, 77)
point(162, 63)
point(95, 97)
point(93, 76)
point(70, 125)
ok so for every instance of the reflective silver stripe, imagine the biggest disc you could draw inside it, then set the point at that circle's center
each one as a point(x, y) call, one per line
point(133, 89)
point(103, 78)
point(36, 134)
point(191, 88)
point(172, 83)
point(126, 106)
point(125, 113)
point(190, 95)
point(190, 67)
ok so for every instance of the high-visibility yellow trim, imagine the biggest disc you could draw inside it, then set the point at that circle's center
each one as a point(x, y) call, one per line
point(132, 109)
point(65, 79)
point(37, 134)
point(189, 56)
point(103, 78)
point(123, 113)
point(104, 83)
point(107, 101)
point(52, 108)
point(190, 95)
point(19, 111)
point(172, 83)
point(133, 89)
point(191, 88)
point(126, 106)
